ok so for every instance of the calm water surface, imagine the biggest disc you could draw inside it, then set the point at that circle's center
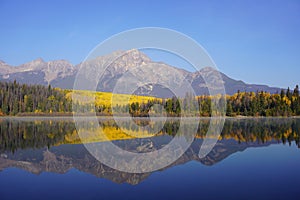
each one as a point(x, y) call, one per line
point(253, 159)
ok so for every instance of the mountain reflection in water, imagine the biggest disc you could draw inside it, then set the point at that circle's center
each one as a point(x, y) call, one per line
point(53, 145)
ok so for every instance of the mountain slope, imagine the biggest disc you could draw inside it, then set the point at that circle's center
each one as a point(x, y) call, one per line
point(61, 73)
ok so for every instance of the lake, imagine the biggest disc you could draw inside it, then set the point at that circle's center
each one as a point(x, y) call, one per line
point(254, 158)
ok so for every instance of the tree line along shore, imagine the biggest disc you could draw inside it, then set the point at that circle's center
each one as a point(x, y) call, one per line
point(37, 100)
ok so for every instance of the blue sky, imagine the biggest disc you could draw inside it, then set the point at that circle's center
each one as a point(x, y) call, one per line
point(254, 41)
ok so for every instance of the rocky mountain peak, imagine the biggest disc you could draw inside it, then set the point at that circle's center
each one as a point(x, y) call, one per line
point(39, 60)
point(207, 69)
point(132, 58)
point(32, 65)
point(2, 62)
point(127, 59)
point(5, 68)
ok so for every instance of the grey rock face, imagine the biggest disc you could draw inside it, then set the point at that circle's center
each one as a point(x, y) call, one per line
point(61, 73)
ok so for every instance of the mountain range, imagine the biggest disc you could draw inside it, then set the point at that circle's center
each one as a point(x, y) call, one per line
point(61, 73)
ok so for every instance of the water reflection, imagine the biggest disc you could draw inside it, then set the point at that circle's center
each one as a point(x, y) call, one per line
point(39, 145)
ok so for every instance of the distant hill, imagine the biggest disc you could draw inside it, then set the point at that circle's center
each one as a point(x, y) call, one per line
point(61, 73)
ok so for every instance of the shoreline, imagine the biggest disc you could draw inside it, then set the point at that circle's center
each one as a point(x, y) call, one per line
point(153, 117)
